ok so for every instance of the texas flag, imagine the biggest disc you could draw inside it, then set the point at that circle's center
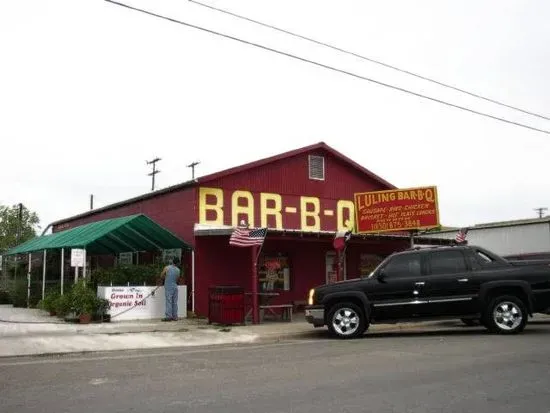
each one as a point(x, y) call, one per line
point(340, 239)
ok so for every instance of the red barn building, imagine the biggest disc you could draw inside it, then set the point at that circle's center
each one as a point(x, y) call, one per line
point(302, 196)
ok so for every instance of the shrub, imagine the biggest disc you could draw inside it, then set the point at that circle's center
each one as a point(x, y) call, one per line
point(132, 274)
point(63, 304)
point(50, 301)
point(84, 299)
point(5, 297)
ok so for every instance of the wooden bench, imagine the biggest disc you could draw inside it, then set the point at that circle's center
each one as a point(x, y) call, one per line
point(286, 311)
point(299, 305)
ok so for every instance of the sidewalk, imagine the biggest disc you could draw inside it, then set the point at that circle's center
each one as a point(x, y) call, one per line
point(34, 332)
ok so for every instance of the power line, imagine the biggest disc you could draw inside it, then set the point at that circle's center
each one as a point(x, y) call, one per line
point(378, 62)
point(330, 67)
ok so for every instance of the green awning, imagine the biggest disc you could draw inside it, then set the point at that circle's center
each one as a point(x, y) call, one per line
point(111, 236)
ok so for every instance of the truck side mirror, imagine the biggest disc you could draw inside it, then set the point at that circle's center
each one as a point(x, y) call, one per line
point(381, 275)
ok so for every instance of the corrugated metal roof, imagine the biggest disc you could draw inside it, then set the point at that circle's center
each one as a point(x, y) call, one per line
point(500, 224)
point(125, 234)
point(512, 223)
point(237, 169)
point(128, 201)
point(305, 149)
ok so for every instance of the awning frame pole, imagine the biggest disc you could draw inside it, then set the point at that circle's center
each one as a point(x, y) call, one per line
point(84, 266)
point(29, 280)
point(44, 276)
point(62, 269)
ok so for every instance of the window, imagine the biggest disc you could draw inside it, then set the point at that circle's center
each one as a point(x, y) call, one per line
point(447, 262)
point(316, 167)
point(274, 273)
point(406, 265)
point(483, 258)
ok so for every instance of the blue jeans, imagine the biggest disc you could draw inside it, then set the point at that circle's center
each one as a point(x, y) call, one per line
point(171, 294)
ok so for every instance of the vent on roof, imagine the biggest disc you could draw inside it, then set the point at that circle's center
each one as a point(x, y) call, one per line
point(316, 167)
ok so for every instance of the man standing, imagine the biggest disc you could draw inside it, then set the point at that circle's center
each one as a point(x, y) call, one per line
point(171, 275)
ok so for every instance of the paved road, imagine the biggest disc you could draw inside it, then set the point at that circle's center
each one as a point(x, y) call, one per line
point(453, 370)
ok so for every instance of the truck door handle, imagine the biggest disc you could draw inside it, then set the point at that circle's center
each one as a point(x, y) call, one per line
point(462, 280)
point(420, 283)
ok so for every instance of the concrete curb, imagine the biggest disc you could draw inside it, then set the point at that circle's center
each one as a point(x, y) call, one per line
point(374, 330)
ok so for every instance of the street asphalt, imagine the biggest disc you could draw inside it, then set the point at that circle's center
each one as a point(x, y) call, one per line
point(450, 370)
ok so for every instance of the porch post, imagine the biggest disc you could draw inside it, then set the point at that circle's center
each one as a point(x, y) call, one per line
point(255, 309)
point(193, 281)
point(44, 276)
point(338, 259)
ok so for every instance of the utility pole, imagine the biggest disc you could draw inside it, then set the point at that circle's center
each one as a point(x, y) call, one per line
point(19, 222)
point(541, 211)
point(91, 201)
point(192, 166)
point(155, 171)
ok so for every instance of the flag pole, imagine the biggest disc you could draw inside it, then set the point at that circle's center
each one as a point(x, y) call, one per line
point(261, 246)
point(255, 256)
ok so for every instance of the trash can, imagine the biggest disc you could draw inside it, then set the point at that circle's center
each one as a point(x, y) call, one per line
point(226, 305)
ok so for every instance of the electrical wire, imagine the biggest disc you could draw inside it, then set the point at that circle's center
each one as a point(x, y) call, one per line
point(378, 62)
point(325, 66)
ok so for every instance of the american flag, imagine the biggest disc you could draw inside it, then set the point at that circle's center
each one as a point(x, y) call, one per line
point(461, 235)
point(244, 237)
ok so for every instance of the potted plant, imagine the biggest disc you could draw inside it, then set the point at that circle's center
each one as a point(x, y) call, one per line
point(49, 303)
point(63, 304)
point(102, 306)
point(84, 302)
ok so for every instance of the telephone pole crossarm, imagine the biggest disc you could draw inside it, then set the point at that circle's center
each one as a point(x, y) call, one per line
point(154, 172)
point(192, 166)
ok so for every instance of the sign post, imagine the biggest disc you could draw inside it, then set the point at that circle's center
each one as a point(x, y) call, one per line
point(78, 258)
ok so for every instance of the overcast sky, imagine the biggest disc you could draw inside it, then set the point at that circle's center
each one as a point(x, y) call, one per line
point(89, 91)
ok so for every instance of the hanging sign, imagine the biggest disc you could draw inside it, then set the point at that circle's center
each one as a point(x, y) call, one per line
point(125, 258)
point(77, 257)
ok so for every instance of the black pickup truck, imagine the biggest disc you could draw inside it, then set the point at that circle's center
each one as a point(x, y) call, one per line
point(452, 282)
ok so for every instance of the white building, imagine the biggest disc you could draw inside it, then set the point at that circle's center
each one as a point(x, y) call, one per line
point(527, 238)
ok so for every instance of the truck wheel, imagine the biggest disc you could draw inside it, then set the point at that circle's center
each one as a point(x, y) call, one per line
point(347, 320)
point(506, 314)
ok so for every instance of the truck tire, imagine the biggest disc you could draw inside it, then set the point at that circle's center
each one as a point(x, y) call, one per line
point(505, 314)
point(347, 320)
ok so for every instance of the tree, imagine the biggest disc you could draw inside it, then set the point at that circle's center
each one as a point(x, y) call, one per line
point(15, 230)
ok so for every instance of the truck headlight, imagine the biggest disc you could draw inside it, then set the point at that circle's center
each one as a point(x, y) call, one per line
point(310, 297)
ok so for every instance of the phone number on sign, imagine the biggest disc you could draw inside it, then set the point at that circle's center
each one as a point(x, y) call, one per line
point(394, 224)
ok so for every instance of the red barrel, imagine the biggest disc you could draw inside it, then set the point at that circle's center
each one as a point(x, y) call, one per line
point(226, 305)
